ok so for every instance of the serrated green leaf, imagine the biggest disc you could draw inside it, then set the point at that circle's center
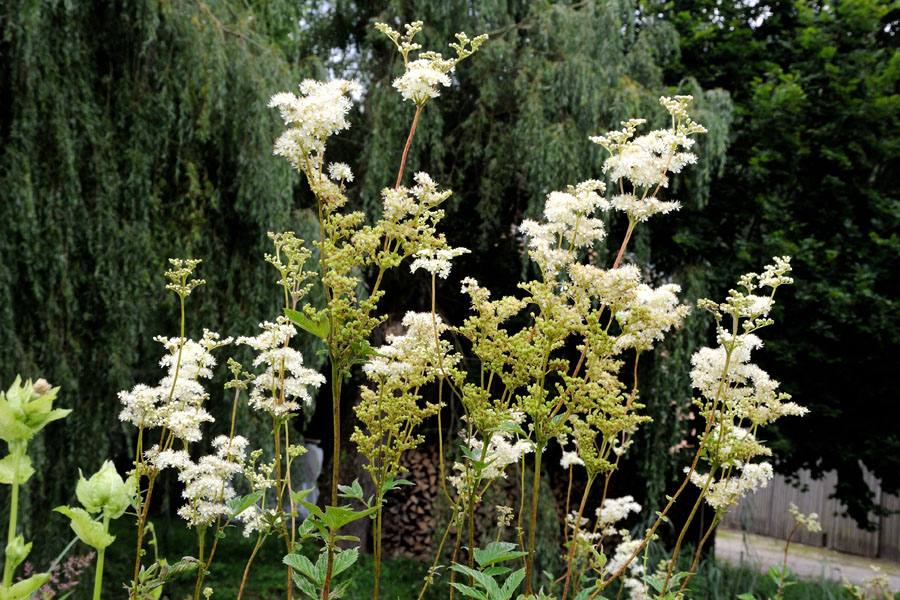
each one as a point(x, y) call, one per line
point(319, 327)
point(586, 593)
point(241, 503)
point(488, 583)
point(469, 592)
point(88, 531)
point(494, 571)
point(393, 484)
point(302, 565)
point(511, 584)
point(306, 586)
point(496, 552)
point(353, 490)
point(344, 561)
point(338, 516)
point(655, 583)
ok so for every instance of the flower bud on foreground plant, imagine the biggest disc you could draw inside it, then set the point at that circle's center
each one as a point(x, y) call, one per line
point(25, 409)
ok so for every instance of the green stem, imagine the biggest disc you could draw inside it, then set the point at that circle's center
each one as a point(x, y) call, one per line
point(259, 542)
point(201, 567)
point(17, 451)
point(336, 380)
point(98, 577)
point(377, 541)
point(584, 498)
point(329, 569)
point(535, 488)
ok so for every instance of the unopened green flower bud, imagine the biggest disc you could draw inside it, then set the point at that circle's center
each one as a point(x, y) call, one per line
point(105, 491)
point(26, 408)
point(17, 550)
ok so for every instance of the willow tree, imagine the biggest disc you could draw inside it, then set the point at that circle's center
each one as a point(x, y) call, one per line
point(132, 132)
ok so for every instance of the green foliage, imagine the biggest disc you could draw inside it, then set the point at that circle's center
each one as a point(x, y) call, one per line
point(133, 132)
point(817, 94)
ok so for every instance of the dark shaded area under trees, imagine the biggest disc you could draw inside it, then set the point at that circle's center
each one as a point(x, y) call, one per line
point(132, 132)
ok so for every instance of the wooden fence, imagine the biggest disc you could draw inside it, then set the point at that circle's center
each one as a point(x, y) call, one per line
point(766, 513)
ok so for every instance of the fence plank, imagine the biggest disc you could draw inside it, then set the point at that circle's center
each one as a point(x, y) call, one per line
point(767, 513)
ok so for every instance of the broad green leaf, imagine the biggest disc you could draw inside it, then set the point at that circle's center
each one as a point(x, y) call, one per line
point(8, 473)
point(88, 531)
point(353, 490)
point(483, 580)
point(322, 566)
point(393, 484)
point(337, 591)
point(241, 503)
point(655, 583)
point(306, 586)
point(24, 588)
point(511, 584)
point(495, 570)
point(469, 592)
point(303, 565)
point(587, 592)
point(344, 561)
point(338, 516)
point(319, 327)
point(497, 552)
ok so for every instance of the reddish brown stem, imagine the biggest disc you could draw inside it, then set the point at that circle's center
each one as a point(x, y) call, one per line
point(412, 131)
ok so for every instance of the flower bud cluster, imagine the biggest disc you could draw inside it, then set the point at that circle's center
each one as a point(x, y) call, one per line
point(421, 77)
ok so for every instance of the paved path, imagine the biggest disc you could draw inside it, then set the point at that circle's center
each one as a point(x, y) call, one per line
point(737, 547)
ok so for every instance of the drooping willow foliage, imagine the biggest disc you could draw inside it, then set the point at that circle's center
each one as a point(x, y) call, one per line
point(136, 131)
point(132, 132)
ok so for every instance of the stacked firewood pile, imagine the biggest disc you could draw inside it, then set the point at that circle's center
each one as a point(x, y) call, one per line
point(410, 518)
point(414, 518)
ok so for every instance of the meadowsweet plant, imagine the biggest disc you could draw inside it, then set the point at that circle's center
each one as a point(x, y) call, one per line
point(554, 364)
point(406, 229)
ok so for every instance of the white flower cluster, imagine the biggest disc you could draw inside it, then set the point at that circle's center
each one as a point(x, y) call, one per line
point(340, 172)
point(726, 492)
point(570, 458)
point(207, 481)
point(421, 78)
point(419, 82)
point(436, 261)
point(747, 392)
point(653, 312)
point(414, 203)
point(739, 395)
point(413, 353)
point(569, 218)
point(176, 403)
point(646, 161)
point(284, 370)
point(613, 511)
point(502, 451)
point(320, 111)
